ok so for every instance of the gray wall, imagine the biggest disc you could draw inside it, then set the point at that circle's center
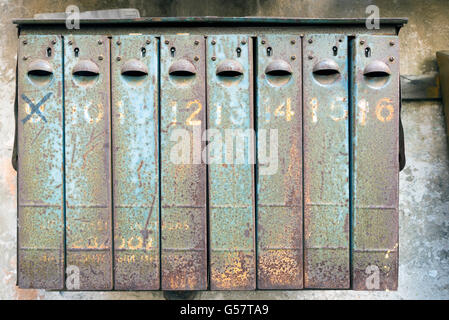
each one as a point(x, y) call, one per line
point(424, 191)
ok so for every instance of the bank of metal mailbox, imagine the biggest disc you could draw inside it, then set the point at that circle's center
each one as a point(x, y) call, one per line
point(104, 205)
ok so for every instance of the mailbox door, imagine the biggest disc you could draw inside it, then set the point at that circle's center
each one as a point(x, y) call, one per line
point(326, 162)
point(183, 184)
point(135, 161)
point(375, 86)
point(231, 169)
point(88, 176)
point(40, 166)
point(279, 174)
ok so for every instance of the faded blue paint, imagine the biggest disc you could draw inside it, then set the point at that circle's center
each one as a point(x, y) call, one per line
point(40, 166)
point(375, 131)
point(326, 163)
point(279, 189)
point(135, 164)
point(231, 186)
point(88, 184)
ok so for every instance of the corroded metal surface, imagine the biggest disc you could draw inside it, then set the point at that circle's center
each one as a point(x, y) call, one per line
point(279, 183)
point(326, 162)
point(88, 157)
point(375, 163)
point(40, 166)
point(231, 183)
point(135, 154)
point(180, 261)
point(183, 174)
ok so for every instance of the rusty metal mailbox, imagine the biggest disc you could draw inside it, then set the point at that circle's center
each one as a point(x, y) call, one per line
point(231, 154)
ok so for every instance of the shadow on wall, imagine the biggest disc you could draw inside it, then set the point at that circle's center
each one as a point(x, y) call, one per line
point(153, 8)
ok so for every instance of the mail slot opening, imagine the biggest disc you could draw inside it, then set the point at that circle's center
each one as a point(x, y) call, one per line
point(86, 72)
point(134, 71)
point(229, 72)
point(40, 72)
point(278, 73)
point(326, 72)
point(376, 74)
point(182, 72)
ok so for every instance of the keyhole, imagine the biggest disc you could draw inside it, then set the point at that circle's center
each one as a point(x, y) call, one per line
point(335, 49)
point(239, 52)
point(144, 52)
point(173, 50)
point(269, 50)
point(368, 52)
point(49, 52)
point(77, 52)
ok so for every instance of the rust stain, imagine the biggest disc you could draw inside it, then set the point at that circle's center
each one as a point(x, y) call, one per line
point(280, 269)
point(91, 145)
point(26, 294)
point(10, 176)
point(140, 177)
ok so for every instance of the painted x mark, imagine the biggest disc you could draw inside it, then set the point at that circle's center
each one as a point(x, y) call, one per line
point(35, 107)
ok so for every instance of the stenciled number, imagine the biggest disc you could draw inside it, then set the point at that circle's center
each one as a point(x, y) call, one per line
point(382, 104)
point(340, 100)
point(191, 119)
point(314, 105)
point(237, 116)
point(344, 115)
point(288, 113)
point(87, 109)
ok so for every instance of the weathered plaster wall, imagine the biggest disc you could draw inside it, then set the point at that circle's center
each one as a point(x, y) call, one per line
point(424, 191)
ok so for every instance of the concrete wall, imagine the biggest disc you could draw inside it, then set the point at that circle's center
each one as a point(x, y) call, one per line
point(424, 191)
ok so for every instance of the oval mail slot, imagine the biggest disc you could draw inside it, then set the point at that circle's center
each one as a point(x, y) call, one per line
point(377, 74)
point(326, 71)
point(40, 68)
point(278, 68)
point(86, 68)
point(40, 72)
point(208, 159)
point(134, 68)
point(182, 68)
point(229, 69)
